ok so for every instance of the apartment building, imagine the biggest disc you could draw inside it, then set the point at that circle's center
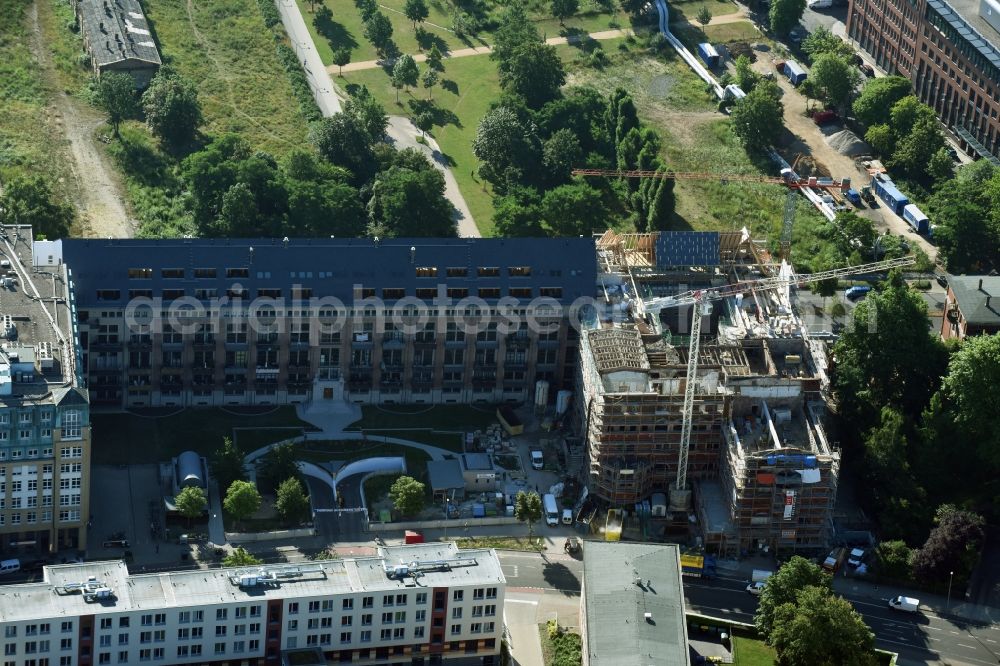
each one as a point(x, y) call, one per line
point(948, 50)
point(427, 603)
point(44, 411)
point(202, 322)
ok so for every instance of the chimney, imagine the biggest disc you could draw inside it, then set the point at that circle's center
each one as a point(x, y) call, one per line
point(980, 284)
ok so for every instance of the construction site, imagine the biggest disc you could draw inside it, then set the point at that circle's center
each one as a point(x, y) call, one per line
point(703, 397)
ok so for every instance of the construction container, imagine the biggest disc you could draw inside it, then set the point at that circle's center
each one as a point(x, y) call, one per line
point(562, 402)
point(541, 394)
point(413, 537)
point(795, 73)
point(916, 219)
point(886, 191)
point(854, 197)
point(709, 55)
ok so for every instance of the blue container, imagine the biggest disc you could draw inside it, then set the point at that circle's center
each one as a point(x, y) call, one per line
point(794, 72)
point(888, 193)
point(916, 219)
point(709, 55)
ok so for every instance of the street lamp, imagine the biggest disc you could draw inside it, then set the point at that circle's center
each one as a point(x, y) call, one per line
point(951, 574)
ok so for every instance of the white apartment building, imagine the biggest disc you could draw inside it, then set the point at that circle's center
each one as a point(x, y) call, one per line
point(413, 605)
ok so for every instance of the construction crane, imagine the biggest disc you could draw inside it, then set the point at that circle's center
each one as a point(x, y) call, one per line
point(788, 178)
point(702, 300)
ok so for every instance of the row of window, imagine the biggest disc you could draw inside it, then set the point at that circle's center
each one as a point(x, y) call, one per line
point(421, 271)
point(27, 417)
point(33, 517)
point(303, 293)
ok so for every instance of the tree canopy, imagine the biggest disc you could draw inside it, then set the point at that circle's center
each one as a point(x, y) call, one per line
point(515, 30)
point(757, 119)
point(821, 41)
point(116, 95)
point(820, 628)
point(227, 463)
point(291, 501)
point(172, 109)
point(191, 502)
point(407, 202)
point(965, 210)
point(407, 495)
point(534, 72)
point(874, 105)
point(30, 200)
point(785, 15)
point(506, 147)
point(242, 500)
point(416, 11)
point(528, 508)
point(241, 558)
point(344, 141)
point(783, 587)
point(834, 78)
point(952, 547)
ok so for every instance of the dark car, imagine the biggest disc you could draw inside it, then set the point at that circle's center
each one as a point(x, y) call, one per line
point(942, 280)
point(868, 71)
point(825, 117)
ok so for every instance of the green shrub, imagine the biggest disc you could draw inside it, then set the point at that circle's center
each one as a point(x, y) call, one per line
point(270, 13)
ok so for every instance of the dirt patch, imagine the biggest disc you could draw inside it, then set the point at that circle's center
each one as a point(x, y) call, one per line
point(97, 186)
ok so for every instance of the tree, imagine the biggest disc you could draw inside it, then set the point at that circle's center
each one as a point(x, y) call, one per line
point(279, 463)
point(634, 8)
point(29, 200)
point(966, 240)
point(116, 95)
point(916, 148)
point(292, 503)
point(227, 463)
point(345, 142)
point(941, 168)
point(242, 500)
point(410, 203)
point(416, 11)
point(430, 80)
point(835, 78)
point(368, 112)
point(407, 495)
point(535, 73)
point(366, 9)
point(704, 16)
point(881, 139)
point(404, 73)
point(434, 58)
point(889, 482)
point(894, 560)
point(191, 502)
point(746, 77)
point(887, 357)
point(463, 24)
point(573, 209)
point(241, 558)
point(378, 31)
point(528, 508)
point(874, 105)
point(341, 57)
point(424, 121)
point(757, 118)
point(506, 147)
point(855, 234)
point(822, 41)
point(785, 15)
point(969, 387)
point(783, 587)
point(172, 110)
point(951, 547)
point(820, 628)
point(518, 213)
point(515, 30)
point(563, 9)
point(561, 153)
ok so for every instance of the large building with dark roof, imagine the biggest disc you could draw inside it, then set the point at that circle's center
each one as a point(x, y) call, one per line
point(117, 37)
point(948, 50)
point(197, 322)
point(969, 308)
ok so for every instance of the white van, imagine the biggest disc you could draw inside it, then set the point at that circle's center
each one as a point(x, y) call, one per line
point(567, 516)
point(9, 567)
point(907, 604)
point(537, 460)
point(551, 510)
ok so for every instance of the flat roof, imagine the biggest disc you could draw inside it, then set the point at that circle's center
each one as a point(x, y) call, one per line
point(972, 299)
point(136, 592)
point(39, 306)
point(618, 633)
point(963, 16)
point(117, 31)
point(445, 474)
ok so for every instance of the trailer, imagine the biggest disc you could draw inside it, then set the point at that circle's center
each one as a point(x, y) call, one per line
point(916, 219)
point(887, 191)
point(709, 55)
point(795, 73)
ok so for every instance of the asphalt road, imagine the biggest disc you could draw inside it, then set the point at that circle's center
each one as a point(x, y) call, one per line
point(560, 573)
point(918, 638)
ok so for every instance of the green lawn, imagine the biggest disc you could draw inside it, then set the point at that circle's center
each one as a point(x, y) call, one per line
point(693, 34)
point(440, 417)
point(156, 435)
point(348, 29)
point(688, 11)
point(225, 49)
point(752, 652)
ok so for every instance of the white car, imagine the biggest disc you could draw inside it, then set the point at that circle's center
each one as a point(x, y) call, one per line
point(819, 4)
point(856, 557)
point(756, 588)
point(537, 460)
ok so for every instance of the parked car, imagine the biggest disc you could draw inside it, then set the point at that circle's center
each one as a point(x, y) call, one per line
point(795, 36)
point(856, 557)
point(942, 280)
point(857, 292)
point(756, 588)
point(825, 117)
point(868, 70)
point(537, 460)
point(906, 604)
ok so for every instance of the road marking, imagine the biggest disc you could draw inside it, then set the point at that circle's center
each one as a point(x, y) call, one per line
point(520, 601)
point(513, 575)
point(934, 628)
point(954, 632)
point(970, 647)
point(990, 640)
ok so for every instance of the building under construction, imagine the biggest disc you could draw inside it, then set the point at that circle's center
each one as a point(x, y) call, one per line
point(760, 468)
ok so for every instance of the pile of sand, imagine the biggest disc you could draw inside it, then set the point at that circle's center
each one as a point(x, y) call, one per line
point(847, 143)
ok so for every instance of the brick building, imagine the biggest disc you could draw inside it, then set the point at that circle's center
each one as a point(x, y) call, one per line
point(947, 49)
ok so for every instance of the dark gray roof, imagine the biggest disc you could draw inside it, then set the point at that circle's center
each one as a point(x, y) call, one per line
point(617, 632)
point(963, 16)
point(445, 474)
point(479, 461)
point(328, 267)
point(117, 31)
point(69, 396)
point(971, 298)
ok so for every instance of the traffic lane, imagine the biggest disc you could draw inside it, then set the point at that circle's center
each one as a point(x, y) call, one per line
point(561, 573)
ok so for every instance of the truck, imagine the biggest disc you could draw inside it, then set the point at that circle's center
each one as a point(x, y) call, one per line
point(709, 55)
point(906, 604)
point(887, 191)
point(551, 510)
point(698, 565)
point(835, 559)
point(916, 219)
point(794, 72)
